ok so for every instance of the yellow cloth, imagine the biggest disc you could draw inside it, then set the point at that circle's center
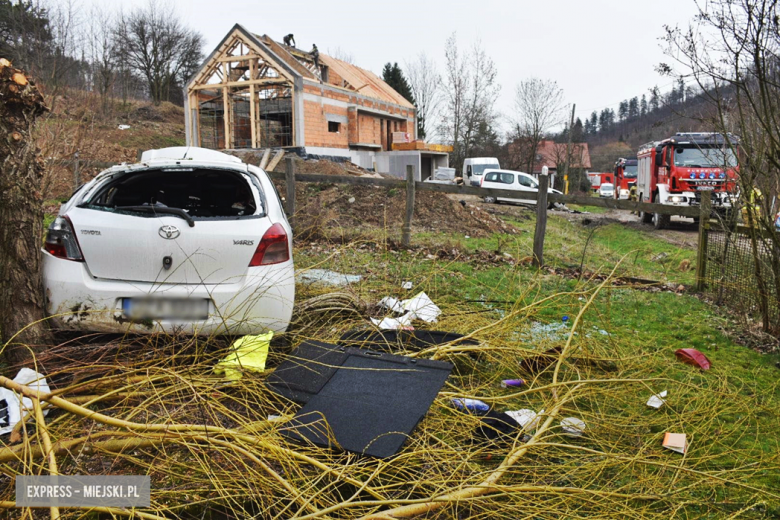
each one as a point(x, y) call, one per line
point(249, 353)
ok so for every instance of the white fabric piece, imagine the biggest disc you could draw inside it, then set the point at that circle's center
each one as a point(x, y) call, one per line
point(393, 304)
point(657, 401)
point(422, 307)
point(393, 323)
point(525, 418)
point(573, 426)
point(18, 408)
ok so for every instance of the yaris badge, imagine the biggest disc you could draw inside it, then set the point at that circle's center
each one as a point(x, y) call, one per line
point(169, 232)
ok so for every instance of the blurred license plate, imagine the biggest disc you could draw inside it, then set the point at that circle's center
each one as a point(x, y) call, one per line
point(705, 188)
point(165, 308)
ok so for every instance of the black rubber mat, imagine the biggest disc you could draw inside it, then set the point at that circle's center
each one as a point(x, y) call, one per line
point(372, 403)
point(306, 371)
point(395, 340)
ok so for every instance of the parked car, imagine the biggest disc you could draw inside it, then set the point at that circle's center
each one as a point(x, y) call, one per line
point(512, 180)
point(189, 240)
point(607, 190)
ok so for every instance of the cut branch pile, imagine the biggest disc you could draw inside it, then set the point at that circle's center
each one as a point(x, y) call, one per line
point(154, 406)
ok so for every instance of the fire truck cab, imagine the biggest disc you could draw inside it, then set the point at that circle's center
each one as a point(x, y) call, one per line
point(677, 170)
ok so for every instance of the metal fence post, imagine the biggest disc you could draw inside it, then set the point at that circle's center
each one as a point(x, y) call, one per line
point(406, 236)
point(290, 184)
point(541, 218)
point(704, 226)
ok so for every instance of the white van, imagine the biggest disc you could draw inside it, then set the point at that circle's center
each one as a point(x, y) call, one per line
point(474, 168)
point(511, 180)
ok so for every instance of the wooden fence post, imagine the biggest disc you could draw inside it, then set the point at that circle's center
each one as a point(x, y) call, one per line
point(290, 182)
point(541, 220)
point(406, 237)
point(76, 172)
point(704, 226)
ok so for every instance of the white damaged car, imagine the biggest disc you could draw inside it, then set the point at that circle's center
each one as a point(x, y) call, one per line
point(189, 240)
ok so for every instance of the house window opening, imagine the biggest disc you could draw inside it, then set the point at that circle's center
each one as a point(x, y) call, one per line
point(334, 127)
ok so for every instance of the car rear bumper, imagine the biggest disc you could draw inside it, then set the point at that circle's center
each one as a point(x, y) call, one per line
point(261, 301)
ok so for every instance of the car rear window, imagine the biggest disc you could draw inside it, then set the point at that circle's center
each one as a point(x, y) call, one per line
point(507, 178)
point(201, 193)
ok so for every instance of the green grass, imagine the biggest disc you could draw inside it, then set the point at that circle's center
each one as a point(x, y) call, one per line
point(643, 328)
point(597, 248)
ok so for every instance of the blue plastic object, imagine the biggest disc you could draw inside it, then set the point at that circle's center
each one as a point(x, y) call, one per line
point(565, 318)
point(470, 405)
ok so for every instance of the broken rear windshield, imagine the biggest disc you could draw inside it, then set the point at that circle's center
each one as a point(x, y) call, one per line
point(200, 193)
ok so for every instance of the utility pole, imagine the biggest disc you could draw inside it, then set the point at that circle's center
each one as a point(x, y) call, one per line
point(568, 152)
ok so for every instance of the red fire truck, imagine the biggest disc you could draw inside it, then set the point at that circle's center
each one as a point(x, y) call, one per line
point(625, 176)
point(597, 179)
point(678, 169)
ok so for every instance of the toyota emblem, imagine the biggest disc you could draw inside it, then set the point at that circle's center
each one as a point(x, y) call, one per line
point(169, 232)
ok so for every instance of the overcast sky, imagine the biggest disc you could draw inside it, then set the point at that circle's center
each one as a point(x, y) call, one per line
point(599, 51)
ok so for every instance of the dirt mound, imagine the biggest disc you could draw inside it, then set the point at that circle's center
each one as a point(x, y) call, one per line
point(323, 210)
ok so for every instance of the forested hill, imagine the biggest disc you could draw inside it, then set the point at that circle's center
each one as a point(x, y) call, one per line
point(652, 117)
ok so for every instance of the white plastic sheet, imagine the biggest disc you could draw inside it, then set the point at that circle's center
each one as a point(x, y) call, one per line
point(18, 406)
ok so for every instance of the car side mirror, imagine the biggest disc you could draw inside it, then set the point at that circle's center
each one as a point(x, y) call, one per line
point(659, 156)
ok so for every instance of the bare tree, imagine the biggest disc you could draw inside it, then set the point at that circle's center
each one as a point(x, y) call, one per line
point(155, 43)
point(470, 93)
point(732, 53)
point(538, 105)
point(341, 55)
point(425, 83)
point(102, 52)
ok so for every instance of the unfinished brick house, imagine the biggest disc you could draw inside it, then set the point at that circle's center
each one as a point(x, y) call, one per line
point(253, 93)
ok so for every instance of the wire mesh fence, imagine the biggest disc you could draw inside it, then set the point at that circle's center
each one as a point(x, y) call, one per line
point(743, 273)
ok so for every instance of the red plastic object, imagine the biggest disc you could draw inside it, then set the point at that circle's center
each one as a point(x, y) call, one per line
point(693, 357)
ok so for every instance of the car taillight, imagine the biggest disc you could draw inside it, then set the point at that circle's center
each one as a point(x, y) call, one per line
point(273, 248)
point(481, 179)
point(61, 241)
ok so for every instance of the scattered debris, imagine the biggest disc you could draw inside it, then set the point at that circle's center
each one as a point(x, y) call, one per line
point(124, 127)
point(657, 400)
point(512, 382)
point(528, 419)
point(406, 285)
point(306, 370)
point(12, 409)
point(550, 332)
point(327, 277)
point(573, 427)
point(676, 442)
point(496, 425)
point(470, 405)
point(392, 304)
point(692, 356)
point(247, 353)
point(422, 307)
point(404, 322)
point(660, 257)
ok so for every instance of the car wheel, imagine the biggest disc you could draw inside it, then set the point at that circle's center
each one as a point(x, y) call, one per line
point(490, 200)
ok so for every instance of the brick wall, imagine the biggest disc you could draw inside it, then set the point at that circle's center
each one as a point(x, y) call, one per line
point(360, 128)
point(316, 126)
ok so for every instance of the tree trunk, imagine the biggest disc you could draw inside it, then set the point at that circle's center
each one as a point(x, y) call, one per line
point(21, 217)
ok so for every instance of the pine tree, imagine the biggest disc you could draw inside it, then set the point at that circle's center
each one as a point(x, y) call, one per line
point(680, 90)
point(643, 106)
point(594, 122)
point(393, 76)
point(623, 110)
point(577, 131)
point(654, 101)
point(633, 108)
